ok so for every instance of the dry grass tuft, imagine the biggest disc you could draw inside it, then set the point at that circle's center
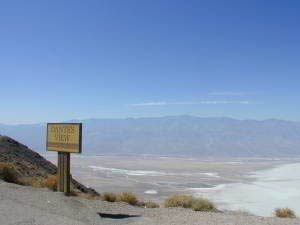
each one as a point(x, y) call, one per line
point(33, 181)
point(284, 213)
point(202, 204)
point(188, 201)
point(50, 182)
point(128, 197)
point(109, 197)
point(8, 173)
point(179, 200)
point(148, 204)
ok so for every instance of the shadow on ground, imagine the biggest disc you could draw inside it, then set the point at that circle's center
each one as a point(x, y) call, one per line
point(116, 216)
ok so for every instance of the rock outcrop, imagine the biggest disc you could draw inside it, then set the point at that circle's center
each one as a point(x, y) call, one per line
point(30, 164)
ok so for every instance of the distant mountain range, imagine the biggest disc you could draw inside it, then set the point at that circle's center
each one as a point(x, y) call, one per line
point(176, 135)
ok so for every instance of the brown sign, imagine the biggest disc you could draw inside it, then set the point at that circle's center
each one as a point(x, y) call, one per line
point(64, 137)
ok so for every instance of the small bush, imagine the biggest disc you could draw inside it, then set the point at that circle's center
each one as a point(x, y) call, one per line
point(50, 182)
point(8, 173)
point(110, 197)
point(201, 204)
point(188, 201)
point(179, 200)
point(40, 182)
point(128, 197)
point(33, 181)
point(284, 213)
point(148, 204)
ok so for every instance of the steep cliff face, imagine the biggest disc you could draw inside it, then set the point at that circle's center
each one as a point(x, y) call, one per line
point(29, 164)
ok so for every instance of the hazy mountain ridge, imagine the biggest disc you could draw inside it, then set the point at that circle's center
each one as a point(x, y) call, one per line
point(176, 135)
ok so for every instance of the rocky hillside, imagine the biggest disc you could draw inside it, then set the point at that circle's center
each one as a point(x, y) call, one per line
point(29, 164)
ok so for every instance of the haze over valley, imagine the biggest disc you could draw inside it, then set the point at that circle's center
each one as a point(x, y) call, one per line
point(176, 135)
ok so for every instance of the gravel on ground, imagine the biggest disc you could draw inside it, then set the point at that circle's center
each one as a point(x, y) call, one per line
point(20, 205)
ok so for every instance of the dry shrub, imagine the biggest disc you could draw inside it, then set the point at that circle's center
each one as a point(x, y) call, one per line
point(148, 204)
point(284, 213)
point(188, 201)
point(40, 182)
point(110, 197)
point(202, 204)
point(8, 173)
point(33, 181)
point(50, 182)
point(179, 200)
point(128, 197)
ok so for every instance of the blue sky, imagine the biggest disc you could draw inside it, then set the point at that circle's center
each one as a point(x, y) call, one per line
point(63, 60)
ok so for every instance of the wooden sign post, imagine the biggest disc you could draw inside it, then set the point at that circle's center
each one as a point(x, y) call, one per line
point(65, 138)
point(63, 172)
